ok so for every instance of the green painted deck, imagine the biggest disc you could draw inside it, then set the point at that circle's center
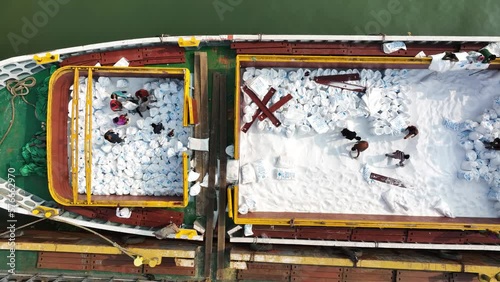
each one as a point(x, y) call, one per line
point(24, 127)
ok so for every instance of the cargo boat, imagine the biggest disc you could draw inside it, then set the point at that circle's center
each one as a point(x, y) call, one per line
point(299, 239)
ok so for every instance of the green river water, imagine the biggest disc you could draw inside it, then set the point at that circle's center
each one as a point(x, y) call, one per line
point(28, 26)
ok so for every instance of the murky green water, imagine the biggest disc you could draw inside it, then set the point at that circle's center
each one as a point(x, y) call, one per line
point(28, 26)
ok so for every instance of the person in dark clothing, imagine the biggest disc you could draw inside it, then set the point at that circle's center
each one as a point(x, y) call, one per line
point(412, 131)
point(495, 145)
point(359, 147)
point(171, 133)
point(112, 137)
point(399, 155)
point(157, 128)
point(143, 105)
point(350, 134)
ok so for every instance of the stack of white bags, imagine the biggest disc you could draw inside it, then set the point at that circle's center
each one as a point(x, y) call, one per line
point(481, 163)
point(145, 163)
point(318, 108)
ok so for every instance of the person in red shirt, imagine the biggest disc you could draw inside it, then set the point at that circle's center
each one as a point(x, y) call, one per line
point(114, 104)
point(142, 93)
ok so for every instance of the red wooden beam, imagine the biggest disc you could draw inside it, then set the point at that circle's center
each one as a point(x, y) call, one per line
point(261, 105)
point(276, 106)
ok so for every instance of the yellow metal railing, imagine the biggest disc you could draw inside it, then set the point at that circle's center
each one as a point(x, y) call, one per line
point(88, 137)
point(185, 184)
point(230, 202)
point(187, 87)
point(74, 136)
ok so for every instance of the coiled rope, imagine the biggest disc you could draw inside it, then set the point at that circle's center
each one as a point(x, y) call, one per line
point(18, 88)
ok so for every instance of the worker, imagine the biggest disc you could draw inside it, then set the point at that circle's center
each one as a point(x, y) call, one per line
point(359, 147)
point(412, 131)
point(399, 155)
point(121, 120)
point(157, 127)
point(495, 145)
point(115, 105)
point(143, 105)
point(120, 93)
point(350, 134)
point(112, 137)
point(141, 93)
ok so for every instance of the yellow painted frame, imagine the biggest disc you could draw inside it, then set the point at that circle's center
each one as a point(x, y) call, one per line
point(322, 222)
point(74, 135)
point(128, 71)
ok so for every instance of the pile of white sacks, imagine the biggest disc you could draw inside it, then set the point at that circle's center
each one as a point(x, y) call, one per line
point(145, 163)
point(480, 163)
point(320, 108)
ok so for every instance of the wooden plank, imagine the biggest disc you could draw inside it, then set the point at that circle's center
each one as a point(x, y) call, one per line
point(129, 268)
point(277, 105)
point(305, 279)
point(365, 274)
point(378, 238)
point(273, 51)
point(212, 160)
point(472, 237)
point(329, 269)
point(401, 275)
point(337, 52)
point(122, 258)
point(162, 52)
point(320, 45)
point(79, 59)
point(317, 274)
point(374, 231)
point(63, 266)
point(201, 129)
point(158, 61)
point(265, 110)
point(330, 230)
point(170, 270)
point(262, 276)
point(387, 180)
point(82, 261)
point(111, 57)
point(464, 277)
point(428, 236)
point(265, 100)
point(267, 271)
point(323, 236)
point(263, 265)
point(255, 45)
point(221, 234)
